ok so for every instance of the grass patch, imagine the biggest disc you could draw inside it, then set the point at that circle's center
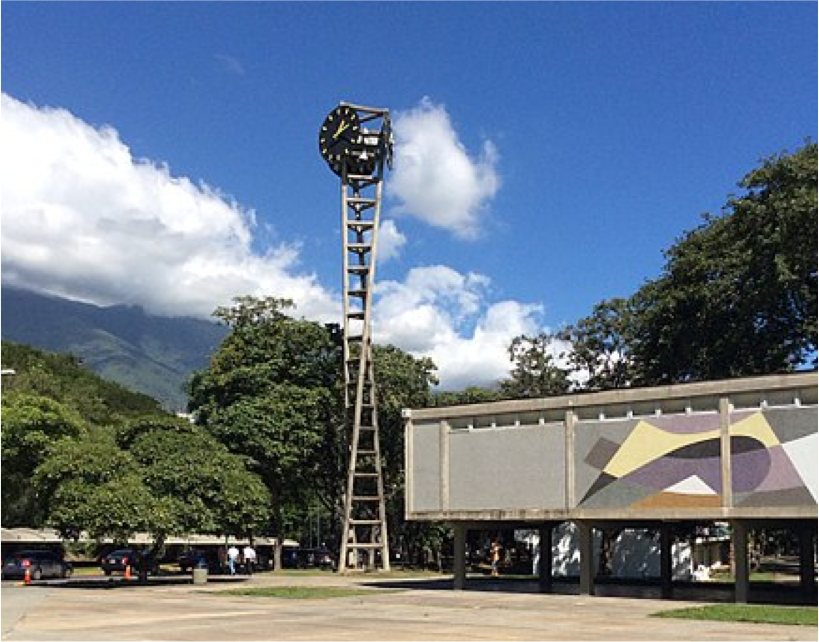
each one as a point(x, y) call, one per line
point(757, 613)
point(302, 592)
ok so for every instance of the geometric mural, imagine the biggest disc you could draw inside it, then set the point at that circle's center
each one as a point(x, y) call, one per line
point(766, 462)
point(673, 461)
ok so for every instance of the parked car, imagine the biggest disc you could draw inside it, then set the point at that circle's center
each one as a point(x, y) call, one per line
point(198, 557)
point(308, 558)
point(41, 564)
point(118, 560)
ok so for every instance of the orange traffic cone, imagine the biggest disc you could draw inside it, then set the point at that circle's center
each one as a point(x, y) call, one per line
point(127, 571)
point(27, 576)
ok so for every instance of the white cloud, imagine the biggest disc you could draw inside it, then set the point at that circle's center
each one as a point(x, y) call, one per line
point(443, 314)
point(390, 240)
point(434, 178)
point(83, 218)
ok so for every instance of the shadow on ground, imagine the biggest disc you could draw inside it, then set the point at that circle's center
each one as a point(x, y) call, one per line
point(760, 592)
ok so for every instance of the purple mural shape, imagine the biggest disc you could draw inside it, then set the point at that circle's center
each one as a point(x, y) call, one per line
point(669, 470)
point(781, 472)
point(749, 466)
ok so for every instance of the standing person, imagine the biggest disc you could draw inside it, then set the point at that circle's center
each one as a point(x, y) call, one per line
point(494, 556)
point(249, 554)
point(233, 557)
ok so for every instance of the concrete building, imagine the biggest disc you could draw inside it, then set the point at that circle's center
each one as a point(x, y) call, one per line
point(742, 451)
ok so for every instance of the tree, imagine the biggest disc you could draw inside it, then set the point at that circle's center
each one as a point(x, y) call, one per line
point(31, 423)
point(160, 477)
point(89, 484)
point(402, 381)
point(599, 353)
point(738, 295)
point(470, 394)
point(535, 373)
point(63, 378)
point(272, 394)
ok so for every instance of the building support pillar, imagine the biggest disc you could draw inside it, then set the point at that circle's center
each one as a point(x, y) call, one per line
point(459, 557)
point(666, 561)
point(544, 570)
point(586, 541)
point(742, 576)
point(806, 532)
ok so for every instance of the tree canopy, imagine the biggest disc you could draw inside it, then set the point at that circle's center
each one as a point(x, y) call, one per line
point(85, 455)
point(274, 394)
point(736, 297)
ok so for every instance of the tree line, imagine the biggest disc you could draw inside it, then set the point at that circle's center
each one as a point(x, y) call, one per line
point(266, 450)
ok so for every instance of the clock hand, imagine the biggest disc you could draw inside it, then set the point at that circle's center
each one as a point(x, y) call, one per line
point(340, 129)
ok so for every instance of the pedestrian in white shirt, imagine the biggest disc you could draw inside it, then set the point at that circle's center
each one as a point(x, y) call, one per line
point(233, 558)
point(250, 559)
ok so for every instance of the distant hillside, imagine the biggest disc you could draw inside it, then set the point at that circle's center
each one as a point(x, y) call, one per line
point(62, 378)
point(148, 354)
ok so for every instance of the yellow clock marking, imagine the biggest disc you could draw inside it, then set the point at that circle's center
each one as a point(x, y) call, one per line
point(341, 128)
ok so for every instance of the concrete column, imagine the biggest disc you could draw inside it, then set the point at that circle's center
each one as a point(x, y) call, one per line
point(725, 452)
point(570, 420)
point(742, 577)
point(459, 557)
point(806, 532)
point(586, 541)
point(445, 431)
point(544, 570)
point(666, 562)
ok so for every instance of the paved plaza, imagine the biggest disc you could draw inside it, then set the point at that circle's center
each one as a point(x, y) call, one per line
point(396, 610)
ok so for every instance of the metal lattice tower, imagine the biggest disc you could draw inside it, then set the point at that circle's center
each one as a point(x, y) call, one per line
point(365, 517)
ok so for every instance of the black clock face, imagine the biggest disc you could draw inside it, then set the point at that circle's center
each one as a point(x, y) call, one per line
point(338, 136)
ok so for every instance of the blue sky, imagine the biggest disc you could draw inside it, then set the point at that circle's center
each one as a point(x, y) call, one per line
point(165, 154)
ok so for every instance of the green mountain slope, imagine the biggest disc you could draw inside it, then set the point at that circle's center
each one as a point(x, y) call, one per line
point(149, 354)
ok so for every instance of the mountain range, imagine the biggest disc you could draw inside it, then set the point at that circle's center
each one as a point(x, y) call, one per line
point(145, 353)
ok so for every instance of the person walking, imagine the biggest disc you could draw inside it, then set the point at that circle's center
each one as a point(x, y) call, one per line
point(249, 553)
point(233, 558)
point(494, 557)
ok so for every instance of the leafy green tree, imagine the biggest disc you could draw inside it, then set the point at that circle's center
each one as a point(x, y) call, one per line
point(89, 484)
point(206, 488)
point(402, 381)
point(163, 478)
point(535, 372)
point(63, 378)
point(599, 353)
point(738, 295)
point(272, 394)
point(31, 423)
point(470, 394)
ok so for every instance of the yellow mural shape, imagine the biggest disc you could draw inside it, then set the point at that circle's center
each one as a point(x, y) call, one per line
point(757, 427)
point(647, 443)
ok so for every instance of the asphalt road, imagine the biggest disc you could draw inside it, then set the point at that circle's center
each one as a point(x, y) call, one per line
point(394, 610)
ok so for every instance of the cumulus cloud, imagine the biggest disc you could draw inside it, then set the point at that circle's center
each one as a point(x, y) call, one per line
point(83, 218)
point(390, 240)
point(443, 314)
point(434, 178)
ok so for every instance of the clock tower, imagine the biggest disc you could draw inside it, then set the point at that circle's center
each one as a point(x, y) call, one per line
point(356, 142)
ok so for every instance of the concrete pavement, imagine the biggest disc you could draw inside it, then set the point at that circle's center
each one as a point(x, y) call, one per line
point(396, 609)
